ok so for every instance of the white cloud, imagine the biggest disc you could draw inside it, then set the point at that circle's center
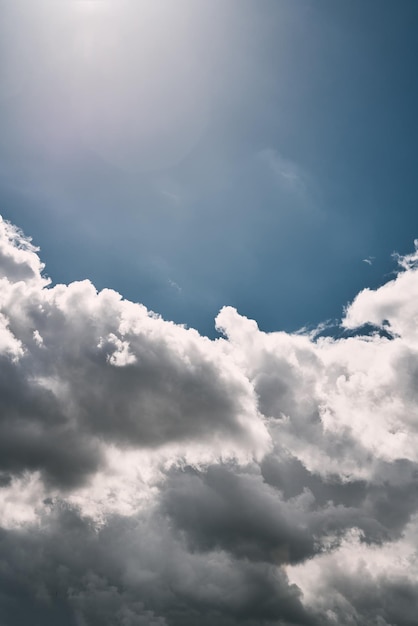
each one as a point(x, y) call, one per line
point(93, 370)
point(362, 581)
point(18, 257)
point(190, 477)
point(393, 305)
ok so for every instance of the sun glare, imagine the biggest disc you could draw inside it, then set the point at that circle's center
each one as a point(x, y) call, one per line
point(88, 7)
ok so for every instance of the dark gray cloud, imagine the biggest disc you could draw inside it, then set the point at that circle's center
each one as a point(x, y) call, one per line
point(284, 514)
point(380, 508)
point(376, 602)
point(151, 476)
point(133, 572)
point(34, 434)
point(220, 508)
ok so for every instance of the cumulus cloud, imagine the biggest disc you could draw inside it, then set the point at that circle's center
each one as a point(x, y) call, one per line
point(150, 475)
point(83, 369)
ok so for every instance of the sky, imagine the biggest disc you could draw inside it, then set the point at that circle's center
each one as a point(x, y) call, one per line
point(196, 154)
point(208, 313)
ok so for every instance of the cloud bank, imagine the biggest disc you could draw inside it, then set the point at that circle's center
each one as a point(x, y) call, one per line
point(151, 476)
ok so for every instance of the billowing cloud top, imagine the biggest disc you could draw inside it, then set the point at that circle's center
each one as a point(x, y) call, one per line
point(151, 476)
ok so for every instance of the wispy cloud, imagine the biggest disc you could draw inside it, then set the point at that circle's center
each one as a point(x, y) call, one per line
point(174, 285)
point(287, 173)
point(369, 260)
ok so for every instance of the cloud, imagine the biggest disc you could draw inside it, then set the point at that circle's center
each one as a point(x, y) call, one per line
point(150, 475)
point(88, 369)
point(134, 571)
point(393, 305)
point(370, 585)
point(369, 260)
point(289, 177)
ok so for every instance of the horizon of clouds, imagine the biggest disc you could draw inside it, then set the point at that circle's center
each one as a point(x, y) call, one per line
point(153, 476)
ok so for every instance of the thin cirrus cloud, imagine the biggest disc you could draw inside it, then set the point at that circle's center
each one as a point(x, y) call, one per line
point(150, 475)
point(287, 173)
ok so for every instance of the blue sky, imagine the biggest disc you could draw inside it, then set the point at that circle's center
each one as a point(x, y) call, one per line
point(205, 153)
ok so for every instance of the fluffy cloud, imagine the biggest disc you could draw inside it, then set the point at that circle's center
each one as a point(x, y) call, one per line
point(150, 475)
point(82, 369)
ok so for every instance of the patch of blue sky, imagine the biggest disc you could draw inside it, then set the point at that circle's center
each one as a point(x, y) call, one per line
point(198, 154)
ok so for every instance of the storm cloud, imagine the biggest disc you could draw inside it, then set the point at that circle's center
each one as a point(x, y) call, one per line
point(152, 476)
